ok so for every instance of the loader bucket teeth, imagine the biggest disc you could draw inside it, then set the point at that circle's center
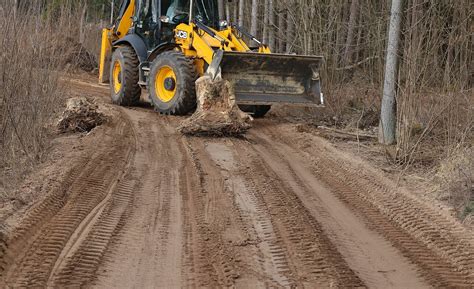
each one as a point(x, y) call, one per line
point(260, 79)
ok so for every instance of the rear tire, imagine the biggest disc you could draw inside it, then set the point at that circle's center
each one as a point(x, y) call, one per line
point(172, 83)
point(124, 76)
point(256, 111)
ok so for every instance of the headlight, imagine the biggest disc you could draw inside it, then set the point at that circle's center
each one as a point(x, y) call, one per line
point(223, 24)
point(165, 19)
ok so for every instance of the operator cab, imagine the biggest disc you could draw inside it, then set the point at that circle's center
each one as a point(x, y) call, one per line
point(177, 11)
point(156, 20)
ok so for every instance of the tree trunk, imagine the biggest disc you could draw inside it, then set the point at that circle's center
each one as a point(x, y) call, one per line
point(15, 7)
point(290, 31)
point(235, 12)
point(351, 31)
point(387, 129)
point(227, 12)
point(281, 28)
point(102, 14)
point(271, 25)
point(220, 4)
point(254, 20)
point(81, 25)
point(265, 22)
point(112, 8)
point(241, 13)
point(341, 36)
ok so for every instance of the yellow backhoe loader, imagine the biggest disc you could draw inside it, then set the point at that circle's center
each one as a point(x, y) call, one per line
point(165, 45)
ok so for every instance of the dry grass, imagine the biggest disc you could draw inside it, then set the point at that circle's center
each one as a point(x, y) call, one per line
point(32, 59)
point(454, 181)
point(435, 135)
point(30, 92)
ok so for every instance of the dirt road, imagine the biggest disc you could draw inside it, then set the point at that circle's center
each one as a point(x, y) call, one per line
point(146, 207)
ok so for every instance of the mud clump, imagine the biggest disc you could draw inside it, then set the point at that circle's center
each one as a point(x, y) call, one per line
point(217, 113)
point(80, 115)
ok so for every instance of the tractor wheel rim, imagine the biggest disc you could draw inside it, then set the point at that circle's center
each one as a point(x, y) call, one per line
point(117, 77)
point(165, 84)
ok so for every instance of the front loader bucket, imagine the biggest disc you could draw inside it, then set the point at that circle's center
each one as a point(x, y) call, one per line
point(273, 78)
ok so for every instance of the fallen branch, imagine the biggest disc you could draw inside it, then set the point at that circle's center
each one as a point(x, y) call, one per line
point(337, 133)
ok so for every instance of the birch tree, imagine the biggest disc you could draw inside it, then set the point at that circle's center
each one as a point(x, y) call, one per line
point(387, 130)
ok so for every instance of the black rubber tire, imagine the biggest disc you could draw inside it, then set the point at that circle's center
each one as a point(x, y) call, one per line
point(256, 111)
point(184, 100)
point(130, 91)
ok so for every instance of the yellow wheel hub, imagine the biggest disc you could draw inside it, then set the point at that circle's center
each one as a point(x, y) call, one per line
point(165, 83)
point(117, 77)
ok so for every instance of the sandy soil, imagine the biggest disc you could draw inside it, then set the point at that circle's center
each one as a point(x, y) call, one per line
point(143, 206)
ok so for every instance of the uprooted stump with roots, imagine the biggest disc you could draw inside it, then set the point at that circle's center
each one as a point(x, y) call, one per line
point(80, 115)
point(217, 113)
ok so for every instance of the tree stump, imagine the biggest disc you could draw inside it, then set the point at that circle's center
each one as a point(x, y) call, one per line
point(80, 115)
point(217, 113)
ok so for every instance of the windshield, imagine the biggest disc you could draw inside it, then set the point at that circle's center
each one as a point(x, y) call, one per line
point(205, 11)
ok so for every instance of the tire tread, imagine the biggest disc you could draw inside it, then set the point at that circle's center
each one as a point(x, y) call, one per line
point(131, 91)
point(186, 101)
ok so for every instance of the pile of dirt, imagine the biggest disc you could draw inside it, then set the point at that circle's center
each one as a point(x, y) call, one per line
point(80, 115)
point(217, 113)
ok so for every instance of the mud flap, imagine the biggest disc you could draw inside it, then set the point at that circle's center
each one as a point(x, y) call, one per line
point(260, 79)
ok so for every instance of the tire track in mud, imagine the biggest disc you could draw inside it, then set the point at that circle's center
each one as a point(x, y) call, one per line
point(210, 253)
point(270, 256)
point(313, 260)
point(37, 217)
point(441, 249)
point(284, 246)
point(80, 267)
point(60, 217)
point(373, 258)
point(233, 235)
point(81, 255)
point(148, 249)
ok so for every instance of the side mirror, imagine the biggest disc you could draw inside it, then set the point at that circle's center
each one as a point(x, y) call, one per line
point(165, 19)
